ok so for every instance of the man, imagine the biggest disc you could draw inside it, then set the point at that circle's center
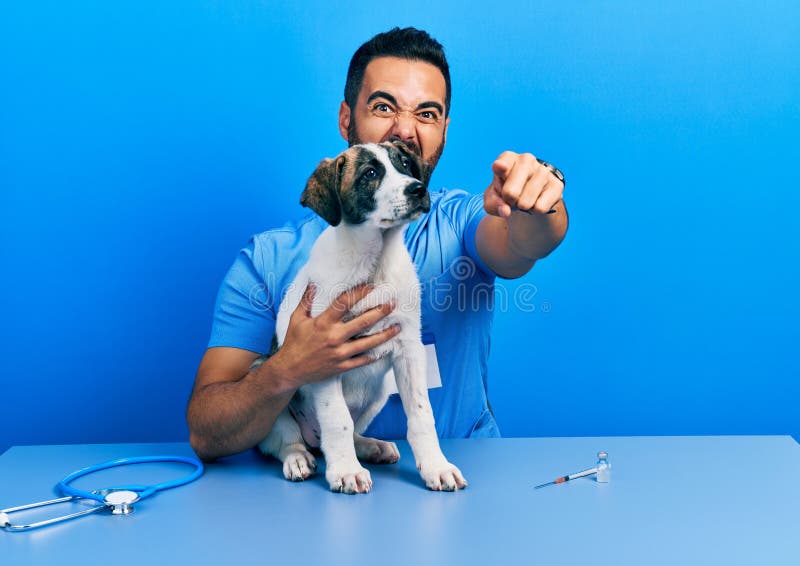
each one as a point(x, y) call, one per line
point(398, 88)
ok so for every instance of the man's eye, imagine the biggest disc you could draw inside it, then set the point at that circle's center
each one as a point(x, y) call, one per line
point(382, 109)
point(428, 116)
point(370, 173)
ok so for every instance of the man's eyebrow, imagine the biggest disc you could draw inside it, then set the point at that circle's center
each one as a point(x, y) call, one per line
point(431, 104)
point(393, 100)
point(382, 94)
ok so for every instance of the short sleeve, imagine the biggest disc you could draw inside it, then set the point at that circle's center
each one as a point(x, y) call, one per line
point(244, 314)
point(465, 212)
point(475, 213)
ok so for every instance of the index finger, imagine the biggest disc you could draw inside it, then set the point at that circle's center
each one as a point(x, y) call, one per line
point(503, 164)
point(307, 300)
point(342, 304)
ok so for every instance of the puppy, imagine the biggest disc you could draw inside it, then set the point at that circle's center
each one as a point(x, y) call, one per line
point(367, 194)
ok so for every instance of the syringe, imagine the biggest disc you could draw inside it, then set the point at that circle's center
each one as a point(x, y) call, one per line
point(562, 479)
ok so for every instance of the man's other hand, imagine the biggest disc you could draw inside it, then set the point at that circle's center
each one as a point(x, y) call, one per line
point(520, 182)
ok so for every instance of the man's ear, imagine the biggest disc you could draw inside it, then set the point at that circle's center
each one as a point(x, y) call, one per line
point(322, 190)
point(344, 120)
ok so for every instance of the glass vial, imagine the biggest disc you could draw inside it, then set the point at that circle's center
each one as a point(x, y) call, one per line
point(603, 468)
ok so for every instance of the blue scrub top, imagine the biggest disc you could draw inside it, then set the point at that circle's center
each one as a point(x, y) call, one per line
point(457, 307)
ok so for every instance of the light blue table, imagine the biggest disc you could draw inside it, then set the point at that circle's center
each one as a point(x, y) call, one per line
point(671, 500)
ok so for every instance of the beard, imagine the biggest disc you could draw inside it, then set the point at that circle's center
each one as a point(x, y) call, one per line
point(427, 165)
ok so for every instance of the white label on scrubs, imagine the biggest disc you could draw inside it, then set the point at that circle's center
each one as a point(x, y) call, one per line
point(432, 369)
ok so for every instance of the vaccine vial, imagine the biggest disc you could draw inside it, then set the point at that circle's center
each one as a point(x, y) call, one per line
point(603, 468)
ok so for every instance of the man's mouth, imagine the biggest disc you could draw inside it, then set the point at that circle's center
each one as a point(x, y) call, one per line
point(414, 147)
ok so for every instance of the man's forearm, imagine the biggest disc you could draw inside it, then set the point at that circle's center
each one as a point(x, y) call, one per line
point(534, 236)
point(232, 416)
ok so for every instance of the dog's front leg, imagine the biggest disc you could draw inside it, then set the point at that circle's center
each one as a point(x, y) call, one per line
point(409, 371)
point(342, 470)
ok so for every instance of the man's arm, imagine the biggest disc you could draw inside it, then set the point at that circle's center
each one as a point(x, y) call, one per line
point(233, 408)
point(519, 228)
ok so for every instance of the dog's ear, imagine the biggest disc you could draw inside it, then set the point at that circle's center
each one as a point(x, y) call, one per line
point(418, 167)
point(322, 190)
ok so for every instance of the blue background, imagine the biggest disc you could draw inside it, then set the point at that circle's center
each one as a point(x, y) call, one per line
point(141, 143)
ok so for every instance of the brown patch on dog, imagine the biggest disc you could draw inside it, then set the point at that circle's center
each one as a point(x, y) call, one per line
point(322, 190)
point(416, 167)
point(338, 191)
point(357, 191)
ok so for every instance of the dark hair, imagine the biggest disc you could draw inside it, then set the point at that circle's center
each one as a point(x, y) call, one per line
point(406, 43)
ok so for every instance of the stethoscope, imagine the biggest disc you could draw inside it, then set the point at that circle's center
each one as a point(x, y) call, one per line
point(118, 500)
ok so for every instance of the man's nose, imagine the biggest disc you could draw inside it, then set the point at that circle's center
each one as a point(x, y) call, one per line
point(404, 128)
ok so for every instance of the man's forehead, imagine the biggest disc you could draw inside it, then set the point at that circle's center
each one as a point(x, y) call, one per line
point(409, 81)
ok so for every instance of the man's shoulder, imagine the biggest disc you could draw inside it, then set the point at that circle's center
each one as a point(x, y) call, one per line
point(309, 226)
point(455, 207)
point(454, 202)
point(276, 250)
point(444, 197)
point(295, 235)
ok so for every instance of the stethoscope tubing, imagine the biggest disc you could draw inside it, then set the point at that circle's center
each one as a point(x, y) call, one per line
point(143, 490)
point(118, 500)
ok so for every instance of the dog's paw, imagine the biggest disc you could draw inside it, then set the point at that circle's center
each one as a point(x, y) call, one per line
point(298, 465)
point(352, 480)
point(442, 476)
point(376, 451)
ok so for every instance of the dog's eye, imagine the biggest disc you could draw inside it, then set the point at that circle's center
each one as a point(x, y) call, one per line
point(404, 161)
point(370, 173)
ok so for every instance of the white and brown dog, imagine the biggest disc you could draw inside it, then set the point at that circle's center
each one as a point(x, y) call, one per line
point(368, 194)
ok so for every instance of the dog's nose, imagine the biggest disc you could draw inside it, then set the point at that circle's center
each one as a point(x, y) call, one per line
point(415, 189)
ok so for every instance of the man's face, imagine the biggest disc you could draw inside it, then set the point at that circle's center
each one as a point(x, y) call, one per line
point(400, 99)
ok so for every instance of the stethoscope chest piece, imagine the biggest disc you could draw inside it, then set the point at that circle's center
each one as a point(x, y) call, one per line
point(121, 502)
